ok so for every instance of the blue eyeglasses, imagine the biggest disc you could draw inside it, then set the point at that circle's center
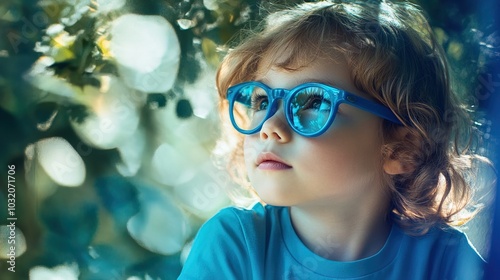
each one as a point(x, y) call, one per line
point(309, 108)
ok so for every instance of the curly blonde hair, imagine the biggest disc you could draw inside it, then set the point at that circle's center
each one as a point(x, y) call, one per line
point(394, 57)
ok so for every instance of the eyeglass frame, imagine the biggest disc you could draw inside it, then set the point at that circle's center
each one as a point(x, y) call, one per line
point(286, 95)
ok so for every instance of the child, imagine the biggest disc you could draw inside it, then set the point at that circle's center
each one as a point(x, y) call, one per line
point(349, 131)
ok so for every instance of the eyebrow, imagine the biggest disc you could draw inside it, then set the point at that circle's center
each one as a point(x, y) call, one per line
point(303, 81)
point(265, 80)
point(312, 80)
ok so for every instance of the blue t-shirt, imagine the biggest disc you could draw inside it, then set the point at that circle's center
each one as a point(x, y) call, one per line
point(260, 243)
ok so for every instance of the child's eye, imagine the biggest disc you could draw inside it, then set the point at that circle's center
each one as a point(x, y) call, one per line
point(317, 102)
point(259, 102)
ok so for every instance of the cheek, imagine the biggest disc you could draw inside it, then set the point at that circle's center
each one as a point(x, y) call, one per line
point(331, 159)
point(346, 170)
point(355, 151)
point(250, 150)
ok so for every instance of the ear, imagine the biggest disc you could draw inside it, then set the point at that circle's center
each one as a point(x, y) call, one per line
point(393, 167)
point(393, 164)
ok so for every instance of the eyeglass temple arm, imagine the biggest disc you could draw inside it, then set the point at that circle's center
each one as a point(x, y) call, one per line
point(371, 107)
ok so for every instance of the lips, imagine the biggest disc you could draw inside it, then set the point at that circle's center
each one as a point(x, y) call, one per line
point(270, 161)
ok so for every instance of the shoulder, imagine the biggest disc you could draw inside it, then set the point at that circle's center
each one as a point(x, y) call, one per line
point(454, 241)
point(460, 257)
point(254, 212)
point(246, 219)
point(251, 225)
point(448, 252)
point(229, 244)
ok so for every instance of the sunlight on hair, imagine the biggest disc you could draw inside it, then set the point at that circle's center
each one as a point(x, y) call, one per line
point(352, 9)
point(388, 15)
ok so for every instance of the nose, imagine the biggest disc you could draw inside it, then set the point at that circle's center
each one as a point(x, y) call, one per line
point(276, 127)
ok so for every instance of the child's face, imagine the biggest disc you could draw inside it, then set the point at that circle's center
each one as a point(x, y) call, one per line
point(343, 165)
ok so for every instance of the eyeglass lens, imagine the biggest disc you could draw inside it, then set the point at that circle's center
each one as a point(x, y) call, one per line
point(308, 109)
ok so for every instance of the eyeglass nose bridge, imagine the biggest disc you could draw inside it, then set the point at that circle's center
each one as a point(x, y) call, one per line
point(276, 94)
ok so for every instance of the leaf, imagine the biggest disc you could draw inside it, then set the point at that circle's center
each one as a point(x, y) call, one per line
point(119, 197)
point(156, 100)
point(45, 114)
point(78, 113)
point(62, 47)
point(71, 218)
point(209, 49)
point(184, 109)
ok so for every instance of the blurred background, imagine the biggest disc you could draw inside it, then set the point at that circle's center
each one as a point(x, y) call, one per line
point(108, 117)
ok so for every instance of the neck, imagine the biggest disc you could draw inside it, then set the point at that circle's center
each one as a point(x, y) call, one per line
point(341, 233)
